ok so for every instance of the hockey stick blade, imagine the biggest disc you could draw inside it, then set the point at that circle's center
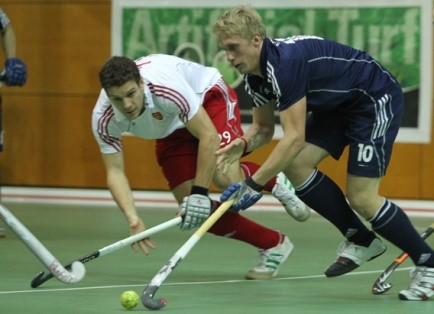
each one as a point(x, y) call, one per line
point(41, 252)
point(42, 277)
point(380, 286)
point(149, 302)
point(150, 290)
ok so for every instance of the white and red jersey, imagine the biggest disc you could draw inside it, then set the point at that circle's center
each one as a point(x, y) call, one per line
point(174, 90)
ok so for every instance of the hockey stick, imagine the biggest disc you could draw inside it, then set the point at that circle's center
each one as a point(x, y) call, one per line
point(157, 281)
point(77, 269)
point(380, 286)
point(2, 78)
point(42, 277)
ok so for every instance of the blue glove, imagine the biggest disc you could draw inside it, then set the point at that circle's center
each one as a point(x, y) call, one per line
point(16, 72)
point(247, 193)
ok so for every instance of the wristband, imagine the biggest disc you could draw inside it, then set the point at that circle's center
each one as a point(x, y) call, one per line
point(257, 187)
point(245, 145)
point(195, 189)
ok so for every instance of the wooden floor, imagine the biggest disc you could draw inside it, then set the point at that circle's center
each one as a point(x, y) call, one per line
point(209, 280)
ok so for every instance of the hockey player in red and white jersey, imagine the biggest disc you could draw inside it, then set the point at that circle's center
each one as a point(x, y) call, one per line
point(191, 112)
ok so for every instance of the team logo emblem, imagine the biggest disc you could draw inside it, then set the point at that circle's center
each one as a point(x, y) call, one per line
point(157, 115)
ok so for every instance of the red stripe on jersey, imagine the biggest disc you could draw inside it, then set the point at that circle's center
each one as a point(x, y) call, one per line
point(175, 97)
point(103, 123)
point(139, 65)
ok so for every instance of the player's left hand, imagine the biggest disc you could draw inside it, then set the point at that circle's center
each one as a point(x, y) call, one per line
point(245, 195)
point(137, 226)
point(16, 72)
point(195, 209)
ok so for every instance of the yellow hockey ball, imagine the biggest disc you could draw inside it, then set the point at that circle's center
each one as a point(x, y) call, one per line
point(129, 299)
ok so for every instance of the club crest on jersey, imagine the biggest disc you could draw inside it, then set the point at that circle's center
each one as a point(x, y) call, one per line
point(157, 115)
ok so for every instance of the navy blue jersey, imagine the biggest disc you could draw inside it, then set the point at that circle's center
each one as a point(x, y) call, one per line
point(328, 73)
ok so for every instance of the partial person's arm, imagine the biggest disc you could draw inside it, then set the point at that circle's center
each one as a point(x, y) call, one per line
point(119, 187)
point(197, 206)
point(293, 120)
point(203, 129)
point(261, 131)
point(9, 42)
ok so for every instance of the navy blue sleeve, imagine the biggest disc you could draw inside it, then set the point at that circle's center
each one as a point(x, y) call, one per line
point(288, 72)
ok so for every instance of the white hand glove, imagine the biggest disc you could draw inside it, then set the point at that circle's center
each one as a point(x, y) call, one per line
point(195, 209)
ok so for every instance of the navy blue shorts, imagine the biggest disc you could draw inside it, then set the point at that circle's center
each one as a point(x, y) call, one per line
point(369, 127)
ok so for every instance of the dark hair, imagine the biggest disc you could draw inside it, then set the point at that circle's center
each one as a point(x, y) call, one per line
point(117, 71)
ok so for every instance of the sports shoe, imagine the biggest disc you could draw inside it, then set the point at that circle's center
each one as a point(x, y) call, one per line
point(2, 232)
point(270, 260)
point(351, 256)
point(421, 286)
point(285, 193)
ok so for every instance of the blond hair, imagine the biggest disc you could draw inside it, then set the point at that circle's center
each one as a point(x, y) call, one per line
point(242, 21)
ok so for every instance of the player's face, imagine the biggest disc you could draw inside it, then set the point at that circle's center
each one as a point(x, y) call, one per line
point(128, 98)
point(242, 54)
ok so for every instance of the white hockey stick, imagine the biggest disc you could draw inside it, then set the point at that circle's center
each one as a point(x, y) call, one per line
point(42, 277)
point(157, 281)
point(77, 269)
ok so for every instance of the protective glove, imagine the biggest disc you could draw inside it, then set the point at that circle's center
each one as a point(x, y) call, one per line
point(195, 209)
point(16, 72)
point(248, 193)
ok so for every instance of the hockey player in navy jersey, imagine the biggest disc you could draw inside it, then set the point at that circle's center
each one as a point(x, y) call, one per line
point(353, 101)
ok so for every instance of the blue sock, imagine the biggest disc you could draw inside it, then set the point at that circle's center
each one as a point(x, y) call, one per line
point(393, 224)
point(324, 196)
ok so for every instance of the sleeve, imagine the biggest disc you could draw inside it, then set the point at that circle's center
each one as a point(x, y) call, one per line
point(290, 79)
point(4, 20)
point(105, 130)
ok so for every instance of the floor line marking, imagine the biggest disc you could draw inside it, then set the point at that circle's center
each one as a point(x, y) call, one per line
point(195, 282)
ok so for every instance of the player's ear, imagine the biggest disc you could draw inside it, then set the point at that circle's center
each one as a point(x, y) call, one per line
point(141, 83)
point(256, 40)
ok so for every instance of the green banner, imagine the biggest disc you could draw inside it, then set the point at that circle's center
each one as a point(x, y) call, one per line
point(391, 33)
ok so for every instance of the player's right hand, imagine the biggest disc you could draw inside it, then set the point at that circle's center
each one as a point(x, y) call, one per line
point(195, 209)
point(16, 72)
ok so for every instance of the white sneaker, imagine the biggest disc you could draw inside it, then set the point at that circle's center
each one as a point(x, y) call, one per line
point(270, 260)
point(421, 286)
point(285, 193)
point(351, 256)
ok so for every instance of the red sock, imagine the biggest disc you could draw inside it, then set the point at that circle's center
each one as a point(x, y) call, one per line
point(250, 168)
point(235, 226)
